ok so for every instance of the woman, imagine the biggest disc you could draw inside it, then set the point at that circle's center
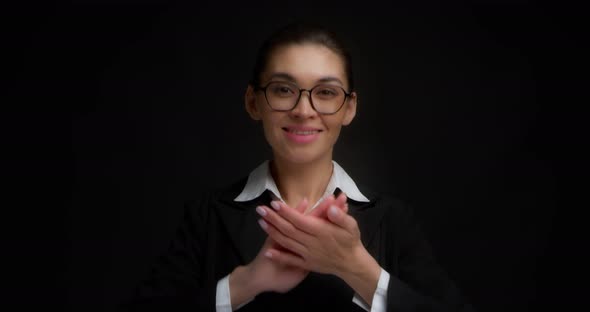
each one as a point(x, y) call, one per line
point(298, 233)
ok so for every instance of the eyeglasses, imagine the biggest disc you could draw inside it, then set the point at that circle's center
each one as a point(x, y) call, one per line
point(282, 96)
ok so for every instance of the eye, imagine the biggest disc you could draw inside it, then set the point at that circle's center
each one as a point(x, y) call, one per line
point(327, 92)
point(281, 89)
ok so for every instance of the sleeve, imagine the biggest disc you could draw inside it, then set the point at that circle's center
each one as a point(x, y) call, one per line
point(223, 296)
point(419, 284)
point(379, 303)
point(177, 281)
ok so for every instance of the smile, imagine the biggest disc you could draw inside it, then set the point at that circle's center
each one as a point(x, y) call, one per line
point(301, 135)
point(302, 132)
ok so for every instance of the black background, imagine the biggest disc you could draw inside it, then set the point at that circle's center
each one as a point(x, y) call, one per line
point(468, 112)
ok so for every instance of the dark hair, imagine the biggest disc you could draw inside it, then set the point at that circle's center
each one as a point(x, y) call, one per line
point(301, 32)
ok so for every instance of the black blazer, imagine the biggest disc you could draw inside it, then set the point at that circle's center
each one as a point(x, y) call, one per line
point(219, 234)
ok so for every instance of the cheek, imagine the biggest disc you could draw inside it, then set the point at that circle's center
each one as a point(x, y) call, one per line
point(335, 133)
point(271, 131)
point(334, 125)
point(265, 130)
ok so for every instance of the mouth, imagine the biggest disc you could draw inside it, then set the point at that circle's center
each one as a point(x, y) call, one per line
point(301, 131)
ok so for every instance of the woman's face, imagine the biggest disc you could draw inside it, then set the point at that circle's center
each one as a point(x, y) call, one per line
point(302, 135)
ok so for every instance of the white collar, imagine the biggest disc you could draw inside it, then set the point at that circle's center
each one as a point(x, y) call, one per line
point(260, 180)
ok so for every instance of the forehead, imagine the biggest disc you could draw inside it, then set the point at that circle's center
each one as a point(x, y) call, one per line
point(307, 63)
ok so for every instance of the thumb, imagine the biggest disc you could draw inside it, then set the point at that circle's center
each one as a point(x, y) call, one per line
point(336, 215)
point(322, 208)
point(339, 217)
point(302, 205)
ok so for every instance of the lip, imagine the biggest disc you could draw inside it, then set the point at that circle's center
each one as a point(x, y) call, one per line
point(301, 128)
point(299, 138)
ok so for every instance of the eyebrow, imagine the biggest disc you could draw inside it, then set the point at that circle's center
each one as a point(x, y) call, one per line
point(292, 79)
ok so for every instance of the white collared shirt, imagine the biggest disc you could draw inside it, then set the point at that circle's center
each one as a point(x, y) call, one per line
point(261, 180)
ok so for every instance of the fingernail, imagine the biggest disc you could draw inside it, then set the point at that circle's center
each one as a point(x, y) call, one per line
point(261, 211)
point(268, 254)
point(275, 205)
point(333, 210)
point(263, 224)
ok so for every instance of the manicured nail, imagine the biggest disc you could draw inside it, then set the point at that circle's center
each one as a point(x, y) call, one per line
point(263, 224)
point(261, 211)
point(333, 211)
point(275, 205)
point(268, 254)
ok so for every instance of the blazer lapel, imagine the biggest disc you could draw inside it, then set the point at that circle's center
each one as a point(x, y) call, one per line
point(367, 214)
point(241, 222)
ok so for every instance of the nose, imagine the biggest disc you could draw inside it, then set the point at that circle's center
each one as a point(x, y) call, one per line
point(303, 107)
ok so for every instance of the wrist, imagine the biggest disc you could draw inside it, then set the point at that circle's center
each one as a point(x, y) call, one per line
point(361, 265)
point(362, 274)
point(242, 285)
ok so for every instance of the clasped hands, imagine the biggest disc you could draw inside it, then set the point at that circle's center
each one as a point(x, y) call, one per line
point(325, 240)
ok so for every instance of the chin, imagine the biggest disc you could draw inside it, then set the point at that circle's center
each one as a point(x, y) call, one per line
point(301, 154)
point(301, 157)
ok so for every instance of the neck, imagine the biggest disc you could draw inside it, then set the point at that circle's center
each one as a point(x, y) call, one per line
point(296, 181)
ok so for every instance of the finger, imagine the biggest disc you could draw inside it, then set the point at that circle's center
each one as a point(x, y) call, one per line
point(341, 202)
point(288, 218)
point(280, 223)
point(302, 205)
point(285, 258)
point(320, 210)
point(342, 219)
point(281, 239)
point(269, 243)
point(283, 224)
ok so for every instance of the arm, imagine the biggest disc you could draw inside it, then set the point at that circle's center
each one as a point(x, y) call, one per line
point(262, 275)
point(361, 272)
point(418, 283)
point(177, 281)
point(180, 281)
point(334, 247)
point(379, 303)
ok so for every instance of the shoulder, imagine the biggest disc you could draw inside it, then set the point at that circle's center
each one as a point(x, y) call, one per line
point(387, 204)
point(203, 201)
point(387, 200)
point(228, 192)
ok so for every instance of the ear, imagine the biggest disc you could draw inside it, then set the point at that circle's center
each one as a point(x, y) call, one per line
point(250, 103)
point(349, 109)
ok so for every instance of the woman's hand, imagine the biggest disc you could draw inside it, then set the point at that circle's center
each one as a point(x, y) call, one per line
point(263, 274)
point(331, 245)
point(322, 208)
point(322, 245)
point(281, 277)
point(266, 275)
